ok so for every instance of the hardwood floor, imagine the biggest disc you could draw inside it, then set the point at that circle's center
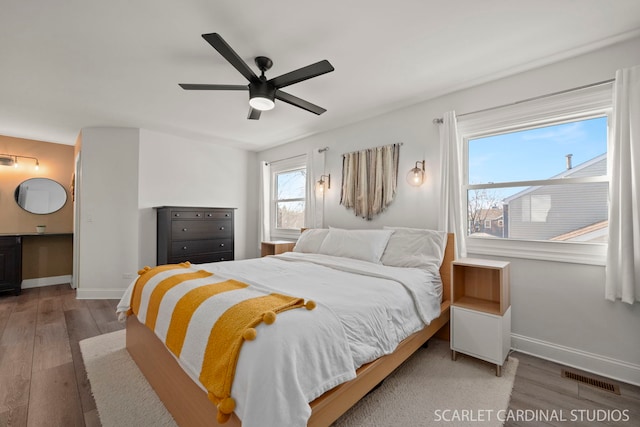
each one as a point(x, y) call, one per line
point(43, 381)
point(551, 400)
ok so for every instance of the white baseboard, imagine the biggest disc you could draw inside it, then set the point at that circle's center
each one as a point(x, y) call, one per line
point(46, 281)
point(83, 293)
point(590, 362)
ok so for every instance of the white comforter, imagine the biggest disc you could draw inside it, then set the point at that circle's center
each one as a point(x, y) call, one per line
point(364, 310)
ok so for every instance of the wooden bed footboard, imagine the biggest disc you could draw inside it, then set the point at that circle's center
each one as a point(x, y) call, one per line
point(189, 404)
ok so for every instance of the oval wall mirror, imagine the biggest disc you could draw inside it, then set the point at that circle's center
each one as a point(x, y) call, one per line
point(40, 196)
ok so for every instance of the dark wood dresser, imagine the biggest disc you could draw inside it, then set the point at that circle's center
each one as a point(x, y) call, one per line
point(194, 234)
point(10, 264)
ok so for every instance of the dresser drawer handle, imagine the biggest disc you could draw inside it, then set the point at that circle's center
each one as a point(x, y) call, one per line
point(221, 259)
point(176, 214)
point(198, 215)
point(221, 228)
point(184, 229)
point(222, 245)
point(209, 215)
point(227, 215)
point(184, 248)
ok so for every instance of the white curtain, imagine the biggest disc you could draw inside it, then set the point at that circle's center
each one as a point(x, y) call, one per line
point(623, 158)
point(265, 208)
point(314, 209)
point(452, 217)
point(370, 179)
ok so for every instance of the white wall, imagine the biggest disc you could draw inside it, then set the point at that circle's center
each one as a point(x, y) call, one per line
point(558, 309)
point(174, 171)
point(108, 227)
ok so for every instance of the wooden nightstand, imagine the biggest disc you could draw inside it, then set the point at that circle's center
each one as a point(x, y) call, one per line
point(276, 247)
point(481, 310)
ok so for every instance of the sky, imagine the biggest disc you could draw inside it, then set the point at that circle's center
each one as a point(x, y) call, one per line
point(535, 153)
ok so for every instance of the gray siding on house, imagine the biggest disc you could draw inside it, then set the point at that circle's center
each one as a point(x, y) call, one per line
point(541, 213)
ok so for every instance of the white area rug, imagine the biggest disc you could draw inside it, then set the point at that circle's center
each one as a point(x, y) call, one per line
point(429, 389)
point(123, 395)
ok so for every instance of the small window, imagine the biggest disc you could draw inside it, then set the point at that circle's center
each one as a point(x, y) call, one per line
point(290, 200)
point(288, 197)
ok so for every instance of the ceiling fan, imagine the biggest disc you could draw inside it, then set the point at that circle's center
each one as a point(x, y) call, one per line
point(263, 92)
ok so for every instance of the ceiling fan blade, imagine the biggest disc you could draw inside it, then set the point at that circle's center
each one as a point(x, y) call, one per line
point(189, 86)
point(254, 114)
point(230, 55)
point(301, 74)
point(298, 102)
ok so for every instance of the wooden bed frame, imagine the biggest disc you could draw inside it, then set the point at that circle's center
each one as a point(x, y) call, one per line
point(189, 404)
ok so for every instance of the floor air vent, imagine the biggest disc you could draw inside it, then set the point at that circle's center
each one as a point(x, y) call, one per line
point(593, 382)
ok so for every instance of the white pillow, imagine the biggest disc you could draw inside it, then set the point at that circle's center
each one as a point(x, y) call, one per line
point(367, 245)
point(310, 240)
point(415, 247)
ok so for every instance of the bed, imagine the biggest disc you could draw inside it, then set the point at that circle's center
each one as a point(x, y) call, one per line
point(188, 402)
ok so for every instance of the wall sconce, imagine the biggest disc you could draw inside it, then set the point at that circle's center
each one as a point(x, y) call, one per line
point(322, 181)
point(12, 160)
point(415, 177)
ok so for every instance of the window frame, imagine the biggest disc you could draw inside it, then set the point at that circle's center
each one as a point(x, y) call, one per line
point(282, 166)
point(581, 104)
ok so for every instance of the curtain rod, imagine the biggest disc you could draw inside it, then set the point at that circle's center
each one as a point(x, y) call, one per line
point(320, 150)
point(364, 149)
point(282, 160)
point(439, 120)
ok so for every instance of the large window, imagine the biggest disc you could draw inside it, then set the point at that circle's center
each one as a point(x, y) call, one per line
point(288, 188)
point(538, 173)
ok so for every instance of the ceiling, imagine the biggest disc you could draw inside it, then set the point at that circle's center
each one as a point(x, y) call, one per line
point(80, 63)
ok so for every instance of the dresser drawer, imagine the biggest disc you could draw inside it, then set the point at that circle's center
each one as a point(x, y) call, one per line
point(10, 264)
point(217, 214)
point(9, 241)
point(187, 214)
point(202, 258)
point(199, 230)
point(190, 247)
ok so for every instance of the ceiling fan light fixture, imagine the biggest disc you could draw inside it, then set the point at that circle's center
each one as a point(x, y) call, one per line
point(261, 103)
point(261, 95)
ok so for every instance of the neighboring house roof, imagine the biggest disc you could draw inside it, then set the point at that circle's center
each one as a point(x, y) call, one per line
point(591, 233)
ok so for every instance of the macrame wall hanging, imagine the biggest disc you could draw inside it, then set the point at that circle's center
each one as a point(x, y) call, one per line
point(369, 179)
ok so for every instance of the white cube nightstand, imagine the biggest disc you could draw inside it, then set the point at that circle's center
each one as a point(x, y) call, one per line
point(481, 310)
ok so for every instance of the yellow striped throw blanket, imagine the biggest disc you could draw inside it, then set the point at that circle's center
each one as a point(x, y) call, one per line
point(233, 311)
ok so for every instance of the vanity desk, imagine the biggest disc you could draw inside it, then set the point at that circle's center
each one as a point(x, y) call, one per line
point(11, 249)
point(35, 256)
